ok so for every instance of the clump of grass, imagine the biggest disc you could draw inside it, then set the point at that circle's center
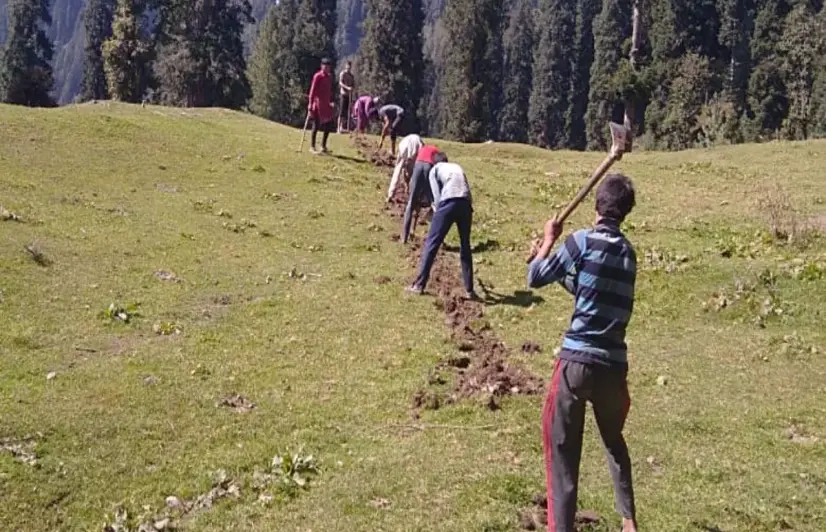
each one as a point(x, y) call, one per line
point(289, 473)
point(760, 300)
point(166, 328)
point(115, 312)
point(784, 221)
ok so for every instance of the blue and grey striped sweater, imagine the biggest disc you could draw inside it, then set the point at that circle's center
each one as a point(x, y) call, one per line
point(599, 267)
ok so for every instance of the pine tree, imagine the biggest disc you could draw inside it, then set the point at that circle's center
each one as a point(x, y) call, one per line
point(801, 47)
point(665, 45)
point(736, 22)
point(126, 55)
point(273, 69)
point(471, 84)
point(581, 56)
point(313, 41)
point(517, 44)
point(681, 128)
point(550, 95)
point(25, 70)
point(201, 55)
point(97, 20)
point(611, 28)
point(767, 101)
point(391, 62)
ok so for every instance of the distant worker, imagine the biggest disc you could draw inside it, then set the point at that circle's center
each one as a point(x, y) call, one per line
point(392, 116)
point(365, 106)
point(419, 193)
point(406, 158)
point(453, 205)
point(320, 108)
point(346, 83)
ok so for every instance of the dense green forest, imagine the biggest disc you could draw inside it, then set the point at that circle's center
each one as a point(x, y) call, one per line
point(548, 72)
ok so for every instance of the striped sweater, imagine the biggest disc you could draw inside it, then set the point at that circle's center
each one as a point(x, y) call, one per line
point(599, 267)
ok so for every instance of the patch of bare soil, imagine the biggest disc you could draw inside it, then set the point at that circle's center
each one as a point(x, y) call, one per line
point(369, 151)
point(382, 279)
point(177, 509)
point(237, 402)
point(535, 517)
point(531, 347)
point(21, 449)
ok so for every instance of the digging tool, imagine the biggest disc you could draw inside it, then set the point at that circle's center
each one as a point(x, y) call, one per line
point(304, 133)
point(620, 141)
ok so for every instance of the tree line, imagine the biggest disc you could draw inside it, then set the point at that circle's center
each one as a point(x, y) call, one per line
point(547, 72)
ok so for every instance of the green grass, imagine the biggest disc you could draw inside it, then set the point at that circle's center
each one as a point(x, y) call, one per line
point(113, 194)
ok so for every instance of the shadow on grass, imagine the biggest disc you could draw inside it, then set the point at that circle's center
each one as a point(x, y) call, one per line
point(351, 159)
point(520, 298)
point(481, 247)
point(706, 527)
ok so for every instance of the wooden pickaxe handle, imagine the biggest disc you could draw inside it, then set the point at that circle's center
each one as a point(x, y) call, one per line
point(619, 141)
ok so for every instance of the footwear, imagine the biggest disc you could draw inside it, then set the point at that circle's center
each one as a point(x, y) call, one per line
point(413, 289)
point(314, 151)
point(472, 296)
point(325, 151)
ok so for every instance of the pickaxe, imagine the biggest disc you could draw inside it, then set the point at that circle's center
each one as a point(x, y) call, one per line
point(620, 143)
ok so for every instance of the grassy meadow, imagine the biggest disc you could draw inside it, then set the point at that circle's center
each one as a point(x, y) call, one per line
point(165, 260)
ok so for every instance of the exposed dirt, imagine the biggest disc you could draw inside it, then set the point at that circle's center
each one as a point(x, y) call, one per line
point(369, 151)
point(531, 347)
point(237, 402)
point(382, 279)
point(21, 449)
point(482, 370)
point(535, 517)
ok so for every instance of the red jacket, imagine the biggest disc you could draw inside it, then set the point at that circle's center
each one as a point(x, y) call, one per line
point(321, 95)
point(426, 153)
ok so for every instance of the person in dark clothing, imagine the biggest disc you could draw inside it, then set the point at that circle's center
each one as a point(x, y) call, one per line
point(598, 267)
point(419, 188)
point(392, 116)
point(452, 202)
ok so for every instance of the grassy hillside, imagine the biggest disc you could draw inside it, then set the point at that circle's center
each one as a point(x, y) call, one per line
point(269, 266)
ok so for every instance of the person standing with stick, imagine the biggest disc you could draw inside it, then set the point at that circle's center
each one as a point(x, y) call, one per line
point(320, 107)
point(598, 266)
point(346, 83)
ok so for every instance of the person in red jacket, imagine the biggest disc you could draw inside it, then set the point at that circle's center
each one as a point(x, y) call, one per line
point(320, 108)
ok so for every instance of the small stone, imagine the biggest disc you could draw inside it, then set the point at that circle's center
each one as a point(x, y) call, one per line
point(163, 524)
point(662, 380)
point(51, 376)
point(173, 502)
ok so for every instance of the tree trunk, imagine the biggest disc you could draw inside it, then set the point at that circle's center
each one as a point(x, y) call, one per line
point(634, 56)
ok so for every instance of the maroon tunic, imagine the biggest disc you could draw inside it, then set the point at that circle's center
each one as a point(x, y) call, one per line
point(321, 93)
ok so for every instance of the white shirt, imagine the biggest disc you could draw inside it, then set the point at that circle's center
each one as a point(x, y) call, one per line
point(447, 181)
point(409, 147)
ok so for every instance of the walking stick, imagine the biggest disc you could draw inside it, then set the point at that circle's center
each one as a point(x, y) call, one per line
point(304, 133)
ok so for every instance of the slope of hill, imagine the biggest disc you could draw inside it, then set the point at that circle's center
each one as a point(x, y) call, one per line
point(274, 275)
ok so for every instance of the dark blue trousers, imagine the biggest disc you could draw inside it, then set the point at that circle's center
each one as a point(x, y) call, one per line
point(460, 212)
point(419, 192)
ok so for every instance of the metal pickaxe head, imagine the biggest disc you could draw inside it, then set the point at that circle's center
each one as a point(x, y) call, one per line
point(621, 140)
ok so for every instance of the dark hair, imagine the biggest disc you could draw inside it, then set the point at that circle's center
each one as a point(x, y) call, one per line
point(325, 61)
point(349, 63)
point(439, 157)
point(615, 197)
